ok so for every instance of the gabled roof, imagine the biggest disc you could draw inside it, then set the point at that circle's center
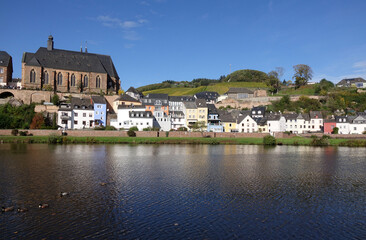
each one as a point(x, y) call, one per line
point(181, 98)
point(290, 116)
point(200, 103)
point(315, 114)
point(207, 95)
point(130, 107)
point(273, 117)
point(212, 109)
point(239, 90)
point(127, 98)
point(190, 105)
point(134, 90)
point(5, 58)
point(227, 118)
point(70, 60)
point(82, 103)
point(99, 100)
point(160, 96)
point(243, 116)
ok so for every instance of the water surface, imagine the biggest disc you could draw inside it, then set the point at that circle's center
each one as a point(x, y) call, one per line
point(183, 191)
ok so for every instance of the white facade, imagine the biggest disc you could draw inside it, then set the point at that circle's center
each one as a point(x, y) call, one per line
point(276, 125)
point(131, 117)
point(357, 128)
point(162, 120)
point(247, 125)
point(83, 118)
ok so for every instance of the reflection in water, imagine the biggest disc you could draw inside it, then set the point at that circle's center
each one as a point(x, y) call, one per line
point(185, 191)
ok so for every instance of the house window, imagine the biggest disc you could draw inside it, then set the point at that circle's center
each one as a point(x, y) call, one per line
point(1, 79)
point(75, 122)
point(1, 70)
point(86, 81)
point(76, 114)
point(33, 76)
point(90, 115)
point(46, 77)
point(59, 78)
point(84, 114)
point(97, 82)
point(72, 82)
point(84, 123)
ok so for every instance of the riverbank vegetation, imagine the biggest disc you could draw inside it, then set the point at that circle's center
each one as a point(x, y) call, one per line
point(295, 141)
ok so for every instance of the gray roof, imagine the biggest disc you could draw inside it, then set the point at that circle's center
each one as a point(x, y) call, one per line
point(99, 99)
point(243, 115)
point(127, 98)
point(5, 58)
point(315, 114)
point(227, 118)
point(131, 107)
point(181, 98)
point(212, 109)
point(273, 117)
point(201, 103)
point(70, 60)
point(135, 91)
point(290, 116)
point(190, 105)
point(239, 90)
point(82, 103)
point(141, 114)
point(161, 96)
point(207, 95)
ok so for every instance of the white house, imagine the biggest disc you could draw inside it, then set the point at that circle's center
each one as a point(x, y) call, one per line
point(247, 124)
point(130, 116)
point(358, 125)
point(83, 109)
point(343, 124)
point(276, 123)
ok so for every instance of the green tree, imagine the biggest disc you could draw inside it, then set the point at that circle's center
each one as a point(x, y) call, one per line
point(303, 73)
point(55, 100)
point(198, 126)
point(274, 82)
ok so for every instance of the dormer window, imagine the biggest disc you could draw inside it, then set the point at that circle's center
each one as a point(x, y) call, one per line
point(253, 112)
point(259, 112)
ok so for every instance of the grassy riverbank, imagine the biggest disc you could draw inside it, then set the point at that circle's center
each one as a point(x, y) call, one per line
point(296, 141)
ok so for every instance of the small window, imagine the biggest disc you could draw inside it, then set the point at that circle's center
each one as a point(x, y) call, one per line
point(33, 76)
point(84, 114)
point(59, 78)
point(86, 81)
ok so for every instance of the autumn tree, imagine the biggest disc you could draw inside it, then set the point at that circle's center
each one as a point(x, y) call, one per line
point(303, 73)
point(37, 121)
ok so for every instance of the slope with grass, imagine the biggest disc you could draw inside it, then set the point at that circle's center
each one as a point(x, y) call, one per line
point(221, 88)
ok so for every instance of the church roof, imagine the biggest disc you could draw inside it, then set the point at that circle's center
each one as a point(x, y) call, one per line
point(70, 60)
point(4, 59)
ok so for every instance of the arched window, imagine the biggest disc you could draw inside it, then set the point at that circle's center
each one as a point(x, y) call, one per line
point(46, 76)
point(86, 81)
point(33, 76)
point(72, 82)
point(59, 78)
point(97, 82)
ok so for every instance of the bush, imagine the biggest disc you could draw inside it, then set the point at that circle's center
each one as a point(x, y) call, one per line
point(323, 141)
point(99, 128)
point(131, 133)
point(134, 128)
point(335, 130)
point(14, 132)
point(183, 129)
point(269, 140)
point(110, 128)
point(54, 139)
point(23, 133)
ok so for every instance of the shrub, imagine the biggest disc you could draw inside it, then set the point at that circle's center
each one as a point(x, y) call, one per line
point(54, 139)
point(269, 140)
point(91, 140)
point(183, 129)
point(134, 128)
point(99, 128)
point(110, 128)
point(14, 132)
point(323, 141)
point(23, 133)
point(335, 130)
point(131, 133)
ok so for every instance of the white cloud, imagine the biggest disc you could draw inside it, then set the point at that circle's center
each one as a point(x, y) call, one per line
point(116, 22)
point(131, 35)
point(360, 67)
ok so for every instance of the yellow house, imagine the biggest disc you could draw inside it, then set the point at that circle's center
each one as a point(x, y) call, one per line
point(202, 111)
point(190, 113)
point(229, 123)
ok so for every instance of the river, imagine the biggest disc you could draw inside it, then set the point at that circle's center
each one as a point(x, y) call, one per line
point(182, 192)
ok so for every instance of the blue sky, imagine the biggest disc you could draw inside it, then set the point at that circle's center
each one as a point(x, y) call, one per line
point(155, 40)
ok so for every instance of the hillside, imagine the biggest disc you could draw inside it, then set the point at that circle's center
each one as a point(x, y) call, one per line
point(221, 88)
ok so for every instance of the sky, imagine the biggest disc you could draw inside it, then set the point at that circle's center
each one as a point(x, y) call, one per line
point(151, 41)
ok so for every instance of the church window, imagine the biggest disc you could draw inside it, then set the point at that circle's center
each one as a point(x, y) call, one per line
point(72, 82)
point(33, 76)
point(46, 77)
point(59, 78)
point(97, 82)
point(86, 82)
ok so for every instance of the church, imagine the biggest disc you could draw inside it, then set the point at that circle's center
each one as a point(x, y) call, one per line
point(69, 71)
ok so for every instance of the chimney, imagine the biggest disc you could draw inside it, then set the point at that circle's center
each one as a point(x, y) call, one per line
point(86, 46)
point(81, 47)
point(50, 43)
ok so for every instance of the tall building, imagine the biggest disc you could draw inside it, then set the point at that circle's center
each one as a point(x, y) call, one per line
point(6, 68)
point(69, 71)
